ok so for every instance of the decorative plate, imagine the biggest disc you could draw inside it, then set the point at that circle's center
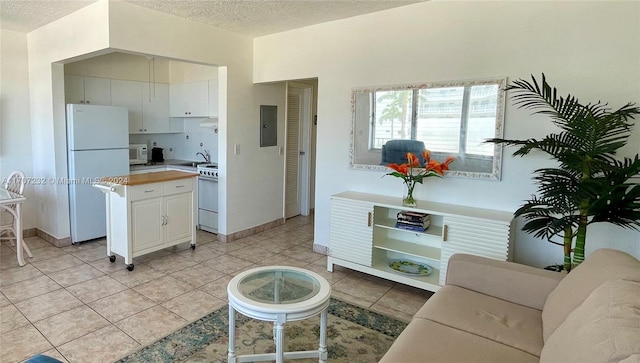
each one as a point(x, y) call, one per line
point(410, 267)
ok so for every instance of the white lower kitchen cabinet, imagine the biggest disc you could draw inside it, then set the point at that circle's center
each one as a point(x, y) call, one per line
point(147, 221)
point(149, 212)
point(178, 224)
point(363, 237)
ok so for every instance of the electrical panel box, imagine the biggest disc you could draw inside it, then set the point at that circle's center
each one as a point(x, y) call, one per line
point(268, 125)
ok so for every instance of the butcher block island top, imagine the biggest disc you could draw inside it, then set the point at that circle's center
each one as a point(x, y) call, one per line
point(148, 178)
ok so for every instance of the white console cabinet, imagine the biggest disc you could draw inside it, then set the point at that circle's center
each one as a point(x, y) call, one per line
point(363, 236)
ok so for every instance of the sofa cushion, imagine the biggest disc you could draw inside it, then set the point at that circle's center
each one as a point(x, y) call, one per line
point(520, 284)
point(427, 341)
point(511, 324)
point(602, 265)
point(605, 328)
point(635, 358)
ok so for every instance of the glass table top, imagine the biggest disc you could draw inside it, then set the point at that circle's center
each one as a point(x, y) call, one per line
point(279, 286)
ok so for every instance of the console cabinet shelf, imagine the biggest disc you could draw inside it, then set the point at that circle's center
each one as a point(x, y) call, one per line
point(363, 236)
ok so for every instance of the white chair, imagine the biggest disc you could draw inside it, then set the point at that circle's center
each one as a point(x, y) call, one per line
point(14, 183)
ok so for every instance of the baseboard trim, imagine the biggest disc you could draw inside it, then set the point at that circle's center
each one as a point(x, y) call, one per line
point(250, 231)
point(58, 242)
point(321, 249)
point(31, 232)
point(63, 242)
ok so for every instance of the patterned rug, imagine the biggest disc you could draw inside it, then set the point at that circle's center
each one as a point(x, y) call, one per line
point(354, 334)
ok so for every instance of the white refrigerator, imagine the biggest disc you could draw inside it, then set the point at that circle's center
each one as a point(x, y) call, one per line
point(98, 146)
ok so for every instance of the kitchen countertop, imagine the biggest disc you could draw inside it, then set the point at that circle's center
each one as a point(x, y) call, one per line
point(175, 163)
point(148, 178)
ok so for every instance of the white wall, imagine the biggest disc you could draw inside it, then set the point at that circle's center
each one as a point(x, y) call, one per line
point(183, 146)
point(106, 26)
point(591, 49)
point(15, 128)
point(123, 66)
point(46, 46)
point(266, 160)
point(136, 67)
point(248, 175)
point(188, 72)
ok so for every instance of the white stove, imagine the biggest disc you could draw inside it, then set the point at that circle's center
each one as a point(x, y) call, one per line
point(208, 171)
point(208, 197)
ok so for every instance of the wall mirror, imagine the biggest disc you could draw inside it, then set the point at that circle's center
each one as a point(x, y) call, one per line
point(448, 118)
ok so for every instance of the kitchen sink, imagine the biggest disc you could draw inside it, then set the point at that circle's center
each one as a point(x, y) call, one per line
point(192, 163)
point(196, 163)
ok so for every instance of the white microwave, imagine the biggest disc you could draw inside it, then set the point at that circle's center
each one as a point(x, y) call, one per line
point(137, 154)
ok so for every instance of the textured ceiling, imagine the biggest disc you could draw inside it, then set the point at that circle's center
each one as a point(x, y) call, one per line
point(249, 17)
point(26, 15)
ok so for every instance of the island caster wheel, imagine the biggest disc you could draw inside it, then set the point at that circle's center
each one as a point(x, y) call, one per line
point(112, 258)
point(130, 267)
point(193, 247)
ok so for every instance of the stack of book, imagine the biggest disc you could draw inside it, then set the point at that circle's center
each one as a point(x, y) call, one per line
point(413, 221)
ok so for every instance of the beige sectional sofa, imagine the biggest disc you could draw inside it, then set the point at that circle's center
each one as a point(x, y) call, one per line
point(496, 311)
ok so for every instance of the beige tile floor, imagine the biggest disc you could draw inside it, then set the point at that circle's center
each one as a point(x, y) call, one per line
point(73, 304)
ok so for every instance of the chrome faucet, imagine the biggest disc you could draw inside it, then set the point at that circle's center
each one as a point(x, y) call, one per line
point(206, 156)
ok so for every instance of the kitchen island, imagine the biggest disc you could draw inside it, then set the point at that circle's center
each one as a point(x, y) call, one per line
point(148, 212)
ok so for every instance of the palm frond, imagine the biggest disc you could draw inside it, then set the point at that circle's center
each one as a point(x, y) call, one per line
point(567, 111)
point(543, 99)
point(620, 206)
point(545, 218)
point(559, 186)
point(623, 170)
point(589, 181)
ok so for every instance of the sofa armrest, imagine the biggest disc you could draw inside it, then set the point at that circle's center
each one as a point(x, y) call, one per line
point(520, 284)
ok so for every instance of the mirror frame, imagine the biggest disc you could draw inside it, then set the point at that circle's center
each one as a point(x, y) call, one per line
point(496, 171)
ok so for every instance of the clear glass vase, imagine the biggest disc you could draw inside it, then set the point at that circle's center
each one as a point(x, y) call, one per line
point(408, 200)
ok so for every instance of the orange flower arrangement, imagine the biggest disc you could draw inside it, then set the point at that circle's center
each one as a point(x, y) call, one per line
point(413, 172)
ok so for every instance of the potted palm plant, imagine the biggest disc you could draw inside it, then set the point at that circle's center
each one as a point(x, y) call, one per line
point(589, 185)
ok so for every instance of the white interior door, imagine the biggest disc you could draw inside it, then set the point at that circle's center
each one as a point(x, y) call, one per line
point(294, 152)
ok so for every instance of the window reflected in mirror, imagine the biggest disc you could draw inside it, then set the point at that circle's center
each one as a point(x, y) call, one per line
point(452, 118)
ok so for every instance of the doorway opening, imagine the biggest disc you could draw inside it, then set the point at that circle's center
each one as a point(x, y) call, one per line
point(300, 148)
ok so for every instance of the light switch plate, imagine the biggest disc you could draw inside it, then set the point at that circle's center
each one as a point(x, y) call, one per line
point(236, 149)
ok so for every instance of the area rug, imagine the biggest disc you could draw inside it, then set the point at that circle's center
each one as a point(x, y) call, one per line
point(354, 334)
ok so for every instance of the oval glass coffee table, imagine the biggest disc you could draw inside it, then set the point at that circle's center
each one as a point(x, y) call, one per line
point(279, 294)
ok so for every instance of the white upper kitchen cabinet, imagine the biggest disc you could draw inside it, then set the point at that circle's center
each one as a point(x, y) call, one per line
point(148, 105)
point(213, 98)
point(129, 94)
point(190, 99)
point(155, 110)
point(87, 90)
